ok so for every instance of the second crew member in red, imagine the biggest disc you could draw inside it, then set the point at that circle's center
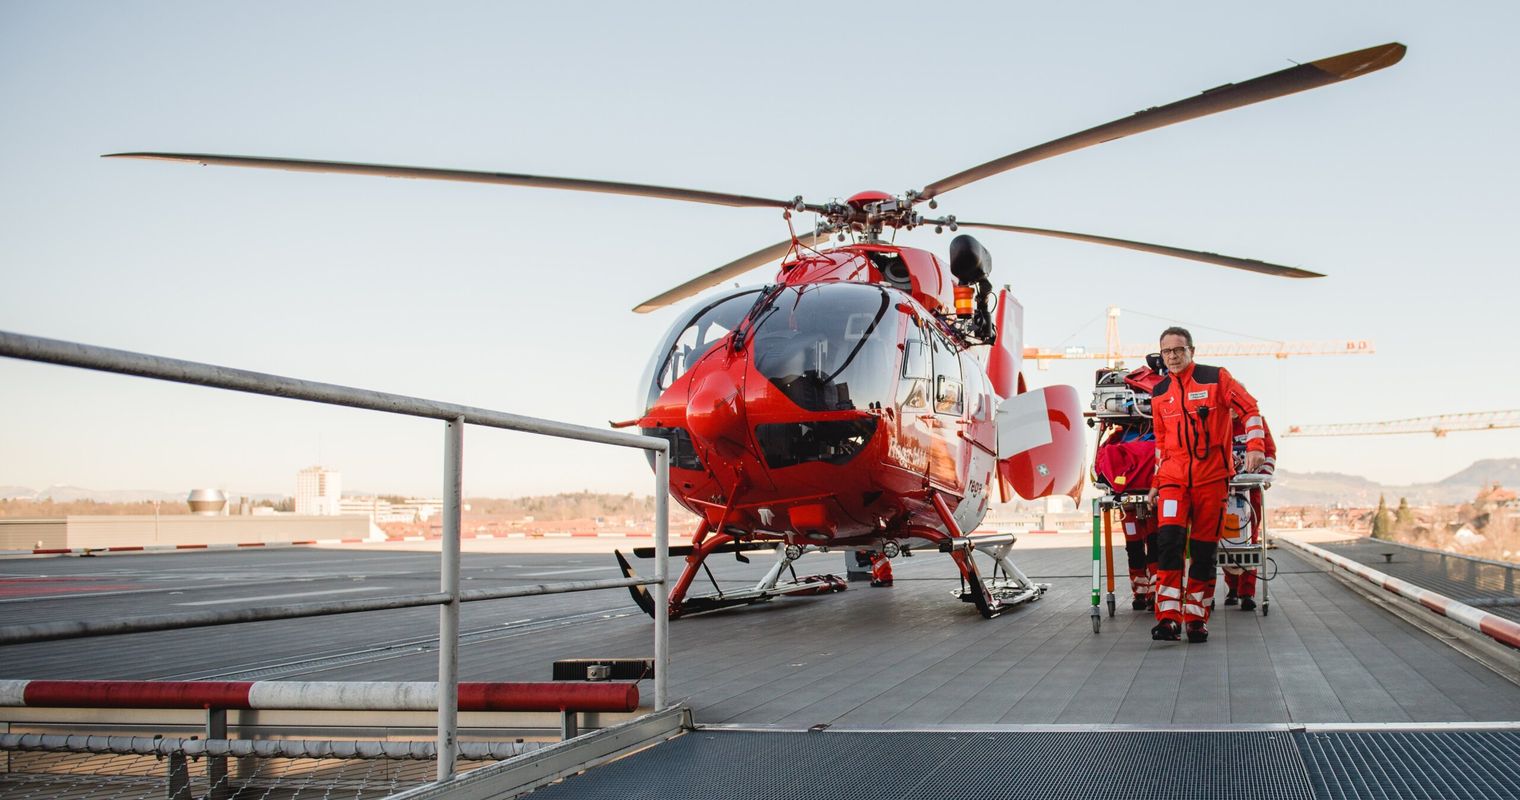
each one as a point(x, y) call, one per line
point(1191, 413)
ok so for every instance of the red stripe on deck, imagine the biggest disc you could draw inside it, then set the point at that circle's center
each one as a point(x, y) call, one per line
point(27, 587)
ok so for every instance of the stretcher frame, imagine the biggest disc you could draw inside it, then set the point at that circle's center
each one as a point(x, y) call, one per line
point(1103, 546)
point(1252, 555)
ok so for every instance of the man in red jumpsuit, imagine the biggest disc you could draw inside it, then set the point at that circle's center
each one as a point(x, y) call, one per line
point(1190, 410)
point(1241, 581)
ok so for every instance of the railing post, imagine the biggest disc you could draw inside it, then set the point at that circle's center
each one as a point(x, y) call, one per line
point(662, 571)
point(179, 776)
point(448, 614)
point(216, 766)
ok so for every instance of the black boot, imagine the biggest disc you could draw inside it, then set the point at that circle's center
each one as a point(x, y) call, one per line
point(1247, 604)
point(1140, 603)
point(1197, 631)
point(1166, 630)
point(1231, 599)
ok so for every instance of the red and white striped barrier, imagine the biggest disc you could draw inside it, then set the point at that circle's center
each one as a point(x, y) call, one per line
point(315, 695)
point(1491, 625)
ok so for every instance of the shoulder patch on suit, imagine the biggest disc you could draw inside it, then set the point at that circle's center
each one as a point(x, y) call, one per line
point(1163, 387)
point(1203, 373)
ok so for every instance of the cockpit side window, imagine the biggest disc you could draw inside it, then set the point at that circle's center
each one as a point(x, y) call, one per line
point(949, 391)
point(917, 369)
point(709, 327)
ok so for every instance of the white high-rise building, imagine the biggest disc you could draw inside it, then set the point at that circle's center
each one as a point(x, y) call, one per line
point(319, 492)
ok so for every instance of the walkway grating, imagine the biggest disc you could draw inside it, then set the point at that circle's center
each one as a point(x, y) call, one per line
point(1019, 765)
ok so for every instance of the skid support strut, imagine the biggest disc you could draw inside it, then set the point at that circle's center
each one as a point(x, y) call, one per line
point(770, 585)
point(1008, 586)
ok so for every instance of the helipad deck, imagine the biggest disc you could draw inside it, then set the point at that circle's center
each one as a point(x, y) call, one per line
point(897, 658)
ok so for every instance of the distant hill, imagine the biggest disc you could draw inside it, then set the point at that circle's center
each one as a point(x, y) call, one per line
point(1485, 472)
point(1323, 489)
point(77, 494)
point(70, 494)
point(1328, 488)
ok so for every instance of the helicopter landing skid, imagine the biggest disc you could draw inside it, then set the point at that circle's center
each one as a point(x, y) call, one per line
point(1006, 588)
point(769, 586)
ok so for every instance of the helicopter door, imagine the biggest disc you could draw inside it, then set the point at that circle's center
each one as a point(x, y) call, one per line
point(947, 461)
point(910, 448)
point(978, 444)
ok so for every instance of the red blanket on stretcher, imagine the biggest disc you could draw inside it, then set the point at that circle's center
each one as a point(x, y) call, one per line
point(1127, 466)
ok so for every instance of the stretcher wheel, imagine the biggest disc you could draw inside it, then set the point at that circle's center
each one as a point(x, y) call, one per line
point(1265, 608)
point(1097, 624)
point(1110, 606)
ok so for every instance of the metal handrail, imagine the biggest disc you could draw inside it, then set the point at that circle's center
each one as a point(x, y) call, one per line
point(78, 629)
point(455, 417)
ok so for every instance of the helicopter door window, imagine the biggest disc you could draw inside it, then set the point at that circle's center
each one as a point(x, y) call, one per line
point(915, 359)
point(916, 371)
point(949, 393)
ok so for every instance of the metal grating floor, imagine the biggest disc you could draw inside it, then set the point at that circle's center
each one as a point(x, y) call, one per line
point(1022, 765)
point(1411, 765)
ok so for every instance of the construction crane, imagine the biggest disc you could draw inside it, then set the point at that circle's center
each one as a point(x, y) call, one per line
point(1439, 425)
point(1113, 351)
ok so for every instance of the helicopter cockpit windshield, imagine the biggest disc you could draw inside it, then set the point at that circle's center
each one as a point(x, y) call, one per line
point(704, 330)
point(829, 346)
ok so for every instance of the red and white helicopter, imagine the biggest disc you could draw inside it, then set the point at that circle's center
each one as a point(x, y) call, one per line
point(871, 396)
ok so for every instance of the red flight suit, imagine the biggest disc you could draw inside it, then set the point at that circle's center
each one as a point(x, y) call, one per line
point(1242, 582)
point(1191, 416)
point(881, 570)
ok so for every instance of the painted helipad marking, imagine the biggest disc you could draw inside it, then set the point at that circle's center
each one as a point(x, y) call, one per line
point(281, 596)
point(31, 588)
point(564, 572)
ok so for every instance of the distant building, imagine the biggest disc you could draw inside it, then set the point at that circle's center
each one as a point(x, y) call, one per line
point(319, 492)
point(379, 510)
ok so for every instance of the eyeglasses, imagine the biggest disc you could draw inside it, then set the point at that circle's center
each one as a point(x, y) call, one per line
point(1174, 351)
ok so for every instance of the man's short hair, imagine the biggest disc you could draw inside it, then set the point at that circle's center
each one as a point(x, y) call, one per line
point(1176, 331)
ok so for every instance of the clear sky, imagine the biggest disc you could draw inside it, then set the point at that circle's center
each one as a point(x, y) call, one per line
point(1399, 185)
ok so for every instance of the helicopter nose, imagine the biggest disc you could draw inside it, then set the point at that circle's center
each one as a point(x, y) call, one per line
point(715, 413)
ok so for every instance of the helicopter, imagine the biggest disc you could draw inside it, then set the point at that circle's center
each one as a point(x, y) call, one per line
point(872, 395)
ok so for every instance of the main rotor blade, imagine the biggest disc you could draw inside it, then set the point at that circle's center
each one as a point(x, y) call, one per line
point(1159, 249)
point(732, 269)
point(1223, 98)
point(467, 176)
